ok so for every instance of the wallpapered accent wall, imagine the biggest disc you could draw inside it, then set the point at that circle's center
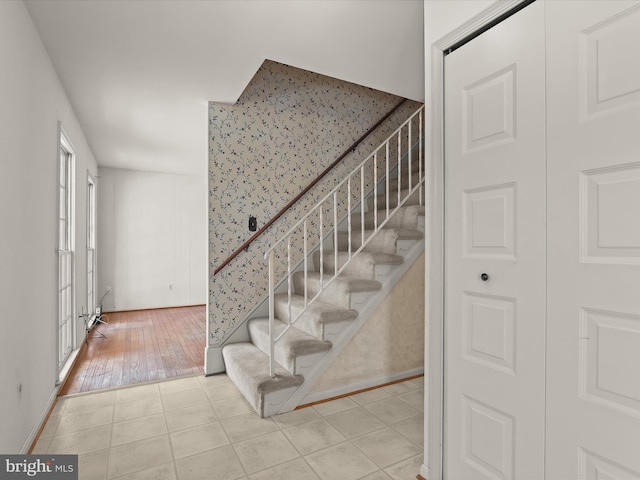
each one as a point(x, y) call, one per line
point(288, 126)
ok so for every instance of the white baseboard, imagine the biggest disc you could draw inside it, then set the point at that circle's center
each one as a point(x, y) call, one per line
point(373, 382)
point(39, 423)
point(213, 362)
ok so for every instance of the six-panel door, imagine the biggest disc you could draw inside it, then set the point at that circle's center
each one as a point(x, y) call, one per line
point(593, 137)
point(494, 252)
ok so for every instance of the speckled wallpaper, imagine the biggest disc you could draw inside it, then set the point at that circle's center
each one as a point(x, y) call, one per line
point(288, 126)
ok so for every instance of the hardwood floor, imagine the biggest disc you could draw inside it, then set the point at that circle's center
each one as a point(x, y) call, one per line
point(140, 346)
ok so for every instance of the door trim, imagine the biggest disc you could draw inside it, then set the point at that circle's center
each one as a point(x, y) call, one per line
point(434, 301)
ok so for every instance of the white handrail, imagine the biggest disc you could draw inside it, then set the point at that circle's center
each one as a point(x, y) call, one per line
point(334, 196)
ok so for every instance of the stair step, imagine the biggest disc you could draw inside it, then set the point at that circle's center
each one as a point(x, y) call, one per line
point(407, 217)
point(362, 265)
point(293, 345)
point(322, 320)
point(384, 241)
point(339, 292)
point(248, 367)
point(409, 234)
point(381, 204)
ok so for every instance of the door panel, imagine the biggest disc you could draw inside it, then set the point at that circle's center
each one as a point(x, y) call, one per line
point(593, 396)
point(495, 224)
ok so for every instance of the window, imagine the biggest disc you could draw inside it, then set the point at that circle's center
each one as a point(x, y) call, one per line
point(66, 309)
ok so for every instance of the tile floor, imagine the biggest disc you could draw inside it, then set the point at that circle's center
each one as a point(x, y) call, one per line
point(202, 428)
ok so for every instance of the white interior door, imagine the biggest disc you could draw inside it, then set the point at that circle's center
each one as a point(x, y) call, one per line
point(495, 225)
point(593, 370)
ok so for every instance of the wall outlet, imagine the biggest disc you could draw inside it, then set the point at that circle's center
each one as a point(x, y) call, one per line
point(108, 290)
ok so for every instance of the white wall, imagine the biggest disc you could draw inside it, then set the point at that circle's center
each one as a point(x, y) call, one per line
point(33, 101)
point(152, 233)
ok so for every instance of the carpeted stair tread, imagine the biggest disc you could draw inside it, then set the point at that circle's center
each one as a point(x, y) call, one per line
point(384, 240)
point(409, 234)
point(318, 314)
point(343, 282)
point(248, 367)
point(381, 202)
point(322, 312)
point(370, 258)
point(294, 343)
point(341, 290)
point(405, 217)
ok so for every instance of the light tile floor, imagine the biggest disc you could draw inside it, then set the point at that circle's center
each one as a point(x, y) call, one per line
point(200, 427)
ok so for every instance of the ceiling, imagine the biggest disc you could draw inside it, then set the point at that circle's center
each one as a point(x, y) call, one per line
point(139, 74)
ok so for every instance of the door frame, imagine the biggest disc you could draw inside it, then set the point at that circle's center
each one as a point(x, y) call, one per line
point(435, 274)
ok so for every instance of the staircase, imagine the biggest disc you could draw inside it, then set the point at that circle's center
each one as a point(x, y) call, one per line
point(330, 289)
